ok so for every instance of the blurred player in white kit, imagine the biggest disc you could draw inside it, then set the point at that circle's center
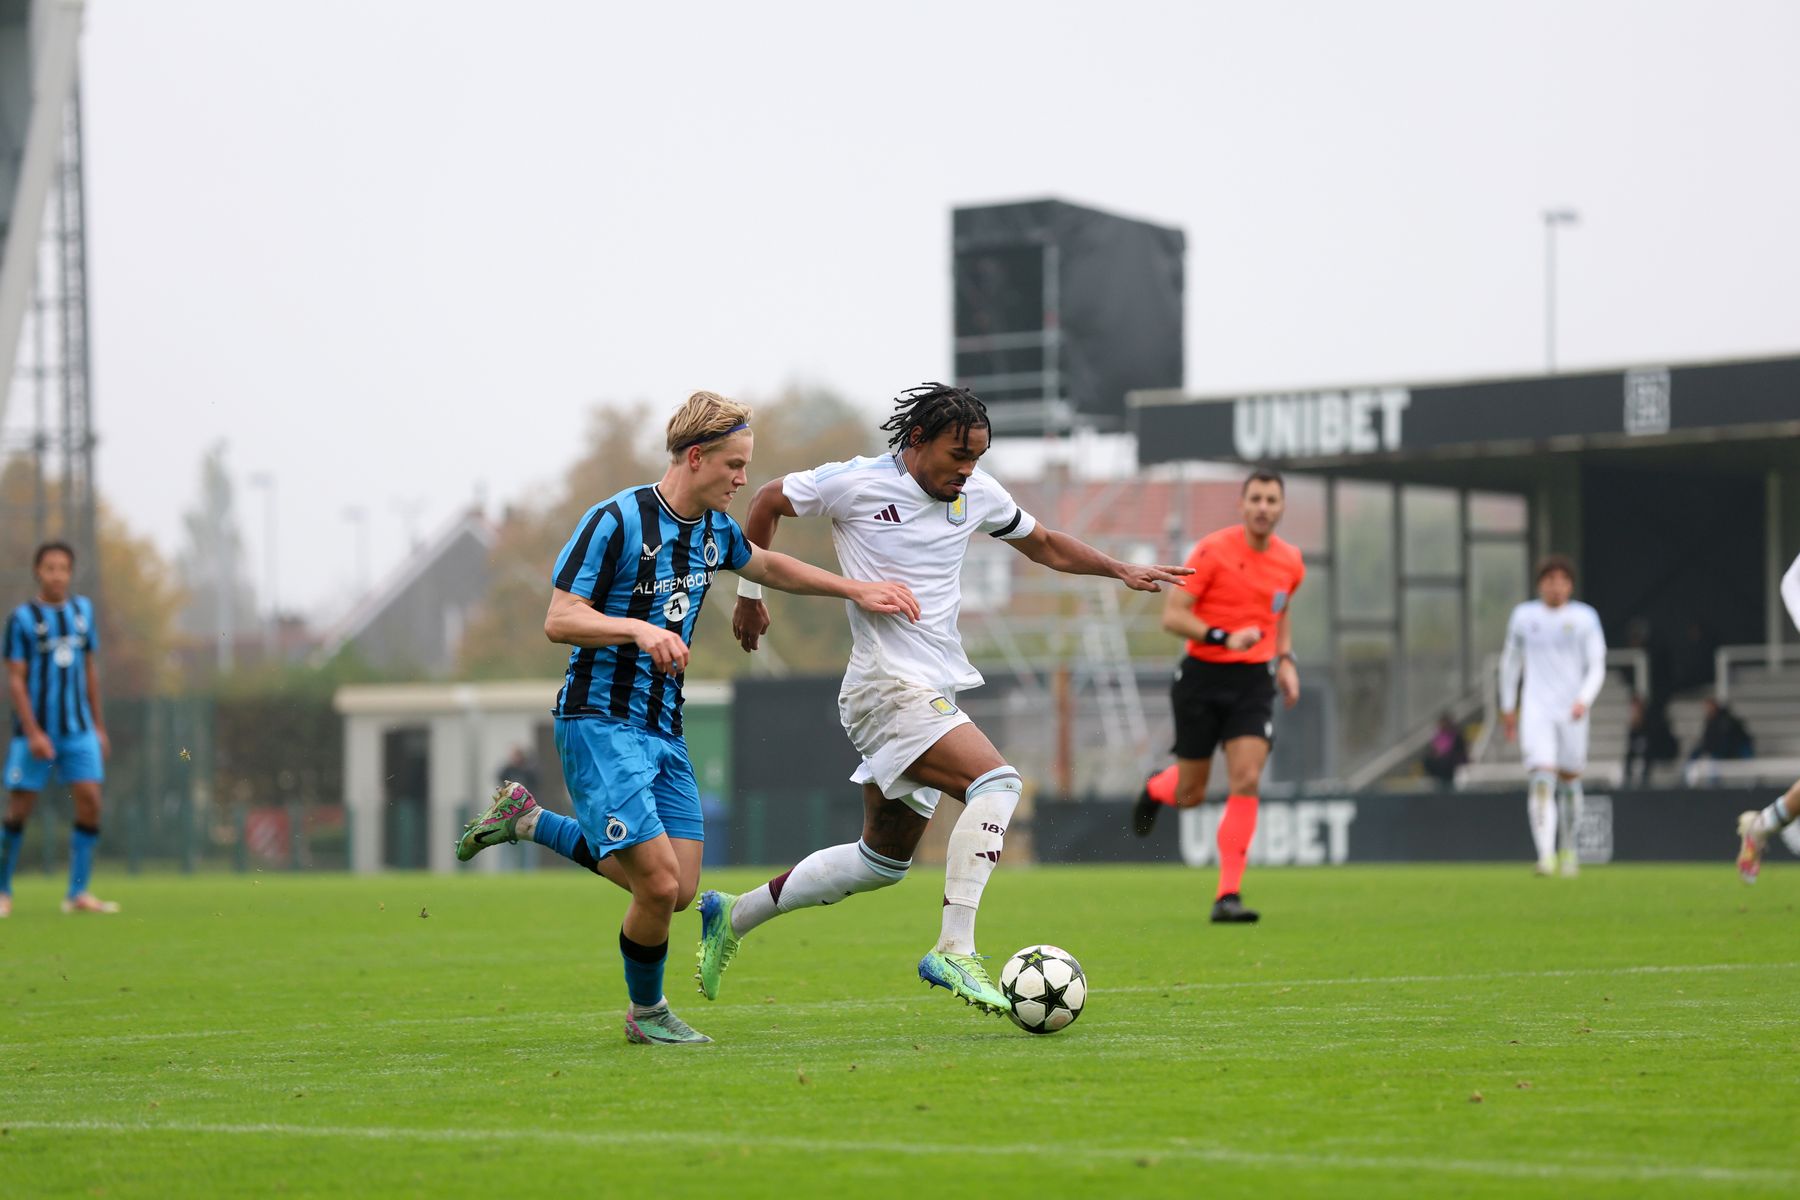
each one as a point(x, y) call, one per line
point(1557, 643)
point(1755, 826)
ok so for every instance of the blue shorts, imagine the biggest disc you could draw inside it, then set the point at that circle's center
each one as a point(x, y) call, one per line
point(77, 761)
point(628, 785)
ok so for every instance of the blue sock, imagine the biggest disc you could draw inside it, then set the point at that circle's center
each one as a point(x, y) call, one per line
point(643, 970)
point(562, 834)
point(10, 838)
point(81, 857)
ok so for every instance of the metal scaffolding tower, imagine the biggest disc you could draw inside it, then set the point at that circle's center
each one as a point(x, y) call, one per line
point(49, 424)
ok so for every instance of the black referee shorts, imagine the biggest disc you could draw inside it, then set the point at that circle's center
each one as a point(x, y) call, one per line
point(1215, 702)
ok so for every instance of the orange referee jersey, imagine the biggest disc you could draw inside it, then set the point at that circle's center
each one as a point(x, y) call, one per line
point(1235, 587)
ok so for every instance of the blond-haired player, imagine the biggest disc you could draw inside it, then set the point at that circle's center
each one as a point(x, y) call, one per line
point(627, 591)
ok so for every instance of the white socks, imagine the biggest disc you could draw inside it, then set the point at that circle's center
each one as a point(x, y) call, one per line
point(829, 875)
point(822, 877)
point(974, 851)
point(1568, 811)
point(1540, 805)
point(1774, 819)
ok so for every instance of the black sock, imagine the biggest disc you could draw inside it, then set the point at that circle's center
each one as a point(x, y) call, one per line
point(584, 856)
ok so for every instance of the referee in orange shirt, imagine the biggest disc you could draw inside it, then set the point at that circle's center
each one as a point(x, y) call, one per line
point(1233, 612)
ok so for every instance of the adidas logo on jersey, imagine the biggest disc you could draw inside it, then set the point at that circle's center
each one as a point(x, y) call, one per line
point(890, 514)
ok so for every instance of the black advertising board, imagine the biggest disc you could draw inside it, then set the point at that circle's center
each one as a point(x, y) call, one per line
point(1680, 825)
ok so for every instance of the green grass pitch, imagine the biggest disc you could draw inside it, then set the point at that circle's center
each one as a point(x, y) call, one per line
point(1467, 1031)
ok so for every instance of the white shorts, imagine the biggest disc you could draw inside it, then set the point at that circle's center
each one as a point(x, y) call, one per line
point(892, 724)
point(1553, 741)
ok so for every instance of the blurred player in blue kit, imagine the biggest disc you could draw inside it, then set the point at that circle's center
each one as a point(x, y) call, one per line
point(54, 683)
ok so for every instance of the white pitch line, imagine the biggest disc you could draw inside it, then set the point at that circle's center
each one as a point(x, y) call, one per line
point(1173, 1149)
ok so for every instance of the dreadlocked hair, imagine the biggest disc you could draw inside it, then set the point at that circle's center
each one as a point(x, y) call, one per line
point(932, 408)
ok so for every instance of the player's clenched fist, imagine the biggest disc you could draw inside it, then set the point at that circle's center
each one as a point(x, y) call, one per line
point(1243, 639)
point(665, 648)
point(749, 621)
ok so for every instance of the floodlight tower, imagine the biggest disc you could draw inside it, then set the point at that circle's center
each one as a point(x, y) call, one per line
point(44, 360)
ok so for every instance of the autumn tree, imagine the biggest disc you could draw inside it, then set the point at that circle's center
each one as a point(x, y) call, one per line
point(134, 585)
point(624, 446)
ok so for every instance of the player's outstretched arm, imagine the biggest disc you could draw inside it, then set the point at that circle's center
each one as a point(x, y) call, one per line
point(786, 573)
point(1072, 556)
point(573, 621)
point(750, 616)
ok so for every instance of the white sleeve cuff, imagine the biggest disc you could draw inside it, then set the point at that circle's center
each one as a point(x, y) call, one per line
point(748, 590)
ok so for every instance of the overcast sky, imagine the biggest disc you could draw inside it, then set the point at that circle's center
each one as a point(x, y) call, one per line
point(392, 251)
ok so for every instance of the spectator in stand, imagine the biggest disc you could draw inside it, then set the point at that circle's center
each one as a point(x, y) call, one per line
point(1722, 738)
point(1446, 751)
point(1649, 741)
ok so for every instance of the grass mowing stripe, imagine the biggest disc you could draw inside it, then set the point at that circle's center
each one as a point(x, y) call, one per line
point(908, 1001)
point(704, 1139)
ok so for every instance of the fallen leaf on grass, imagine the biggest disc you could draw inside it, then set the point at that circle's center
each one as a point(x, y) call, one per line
point(1476, 1097)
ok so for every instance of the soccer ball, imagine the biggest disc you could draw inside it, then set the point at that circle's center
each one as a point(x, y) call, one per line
point(1045, 987)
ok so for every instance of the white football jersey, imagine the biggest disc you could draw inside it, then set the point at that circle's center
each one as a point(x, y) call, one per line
point(1562, 653)
point(886, 529)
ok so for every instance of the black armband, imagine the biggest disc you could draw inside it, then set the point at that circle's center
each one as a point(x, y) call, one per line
point(1215, 636)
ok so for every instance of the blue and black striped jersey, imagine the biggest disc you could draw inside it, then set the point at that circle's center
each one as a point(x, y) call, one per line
point(53, 641)
point(631, 556)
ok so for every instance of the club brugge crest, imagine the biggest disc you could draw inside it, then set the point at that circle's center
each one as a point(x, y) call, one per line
point(616, 830)
point(710, 551)
point(1279, 603)
point(957, 510)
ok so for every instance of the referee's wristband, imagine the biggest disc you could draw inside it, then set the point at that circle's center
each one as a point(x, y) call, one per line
point(748, 590)
point(1215, 636)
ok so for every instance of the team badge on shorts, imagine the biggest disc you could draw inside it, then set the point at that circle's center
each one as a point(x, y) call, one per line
point(957, 510)
point(943, 706)
point(616, 830)
point(1279, 603)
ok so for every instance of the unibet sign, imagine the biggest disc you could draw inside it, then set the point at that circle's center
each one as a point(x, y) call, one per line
point(1318, 424)
point(1301, 833)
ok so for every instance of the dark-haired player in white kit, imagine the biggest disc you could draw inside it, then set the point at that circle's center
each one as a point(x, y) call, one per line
point(908, 516)
point(1557, 643)
point(1755, 826)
